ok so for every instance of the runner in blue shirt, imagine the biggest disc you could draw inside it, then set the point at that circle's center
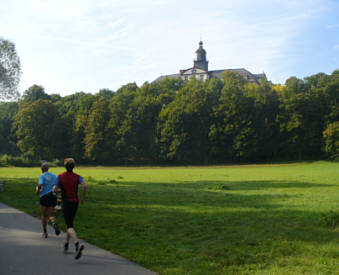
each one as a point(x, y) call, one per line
point(47, 199)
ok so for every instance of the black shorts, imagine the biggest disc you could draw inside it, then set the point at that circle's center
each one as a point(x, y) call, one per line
point(69, 210)
point(48, 200)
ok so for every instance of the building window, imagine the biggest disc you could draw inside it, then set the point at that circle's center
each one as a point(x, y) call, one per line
point(202, 77)
point(186, 78)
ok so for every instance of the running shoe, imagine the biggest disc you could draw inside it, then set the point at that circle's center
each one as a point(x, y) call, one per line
point(65, 247)
point(56, 229)
point(45, 235)
point(79, 252)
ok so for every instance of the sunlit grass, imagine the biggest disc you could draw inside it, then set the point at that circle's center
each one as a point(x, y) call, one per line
point(251, 219)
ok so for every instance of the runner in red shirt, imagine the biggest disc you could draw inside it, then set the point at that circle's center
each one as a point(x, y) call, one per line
point(68, 182)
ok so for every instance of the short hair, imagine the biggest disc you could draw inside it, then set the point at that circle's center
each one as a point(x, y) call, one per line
point(44, 166)
point(69, 164)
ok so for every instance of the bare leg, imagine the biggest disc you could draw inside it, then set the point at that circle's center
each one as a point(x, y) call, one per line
point(78, 248)
point(43, 216)
point(68, 237)
point(44, 219)
point(50, 211)
point(71, 234)
point(67, 242)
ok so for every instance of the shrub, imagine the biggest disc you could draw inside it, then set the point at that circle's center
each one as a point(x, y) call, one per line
point(331, 140)
point(21, 161)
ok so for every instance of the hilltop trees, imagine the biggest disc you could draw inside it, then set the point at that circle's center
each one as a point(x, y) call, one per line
point(232, 132)
point(184, 124)
point(172, 121)
point(32, 94)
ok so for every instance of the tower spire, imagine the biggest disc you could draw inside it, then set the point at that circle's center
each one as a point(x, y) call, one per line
point(201, 61)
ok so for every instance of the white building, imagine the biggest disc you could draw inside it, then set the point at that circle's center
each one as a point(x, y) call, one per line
point(200, 70)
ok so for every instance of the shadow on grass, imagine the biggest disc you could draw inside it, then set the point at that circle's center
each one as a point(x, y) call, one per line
point(258, 185)
point(208, 226)
point(208, 221)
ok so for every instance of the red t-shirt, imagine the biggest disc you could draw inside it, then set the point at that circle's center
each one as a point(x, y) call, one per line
point(68, 182)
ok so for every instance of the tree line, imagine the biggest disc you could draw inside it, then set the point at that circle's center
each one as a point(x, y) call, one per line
point(173, 121)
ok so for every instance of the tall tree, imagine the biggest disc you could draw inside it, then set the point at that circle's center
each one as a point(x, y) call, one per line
point(119, 107)
point(232, 134)
point(7, 139)
point(266, 107)
point(331, 91)
point(38, 130)
point(184, 124)
point(34, 93)
point(139, 126)
point(97, 141)
point(331, 140)
point(74, 110)
point(301, 121)
point(10, 70)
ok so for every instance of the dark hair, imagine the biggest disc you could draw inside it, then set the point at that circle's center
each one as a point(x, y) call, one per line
point(44, 166)
point(69, 166)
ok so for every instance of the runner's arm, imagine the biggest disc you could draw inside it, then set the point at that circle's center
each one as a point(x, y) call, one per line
point(84, 188)
point(38, 189)
point(56, 187)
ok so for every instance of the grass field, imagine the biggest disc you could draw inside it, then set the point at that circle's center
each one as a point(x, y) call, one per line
point(250, 219)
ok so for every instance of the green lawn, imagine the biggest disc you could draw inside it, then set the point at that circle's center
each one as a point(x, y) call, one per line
point(250, 219)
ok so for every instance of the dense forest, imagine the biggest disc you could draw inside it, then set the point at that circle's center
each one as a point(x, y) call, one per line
point(176, 122)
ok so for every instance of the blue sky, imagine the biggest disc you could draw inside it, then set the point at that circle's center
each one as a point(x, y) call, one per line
point(69, 46)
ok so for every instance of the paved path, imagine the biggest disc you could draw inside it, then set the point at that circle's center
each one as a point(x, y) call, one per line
point(23, 251)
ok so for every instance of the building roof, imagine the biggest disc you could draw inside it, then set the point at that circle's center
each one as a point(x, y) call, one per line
point(166, 76)
point(202, 63)
point(254, 78)
point(243, 72)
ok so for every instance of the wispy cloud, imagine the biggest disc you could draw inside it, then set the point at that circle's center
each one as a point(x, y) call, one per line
point(115, 41)
point(333, 26)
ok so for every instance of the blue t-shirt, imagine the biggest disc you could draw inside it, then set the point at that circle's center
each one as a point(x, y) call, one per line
point(47, 180)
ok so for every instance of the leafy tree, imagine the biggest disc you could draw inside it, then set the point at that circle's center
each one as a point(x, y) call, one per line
point(130, 87)
point(55, 97)
point(106, 93)
point(119, 107)
point(266, 107)
point(10, 70)
point(139, 127)
point(37, 128)
point(7, 139)
point(184, 124)
point(317, 80)
point(331, 92)
point(74, 110)
point(331, 140)
point(134, 114)
point(294, 85)
point(232, 132)
point(34, 93)
point(301, 121)
point(97, 141)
